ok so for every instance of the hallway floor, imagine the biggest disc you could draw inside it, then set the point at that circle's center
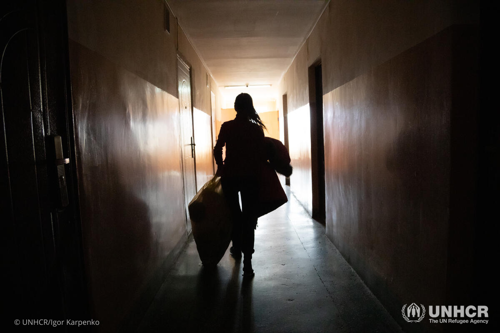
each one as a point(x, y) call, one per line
point(301, 284)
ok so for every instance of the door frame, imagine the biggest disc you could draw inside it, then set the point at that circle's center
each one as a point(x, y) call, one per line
point(182, 60)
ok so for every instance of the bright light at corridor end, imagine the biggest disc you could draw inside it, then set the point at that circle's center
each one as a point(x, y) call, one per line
point(264, 95)
point(249, 86)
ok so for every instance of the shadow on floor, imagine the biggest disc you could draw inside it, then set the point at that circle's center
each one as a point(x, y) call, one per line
point(302, 284)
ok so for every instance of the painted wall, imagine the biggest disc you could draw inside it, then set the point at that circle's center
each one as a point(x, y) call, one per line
point(204, 147)
point(395, 140)
point(271, 120)
point(354, 36)
point(124, 91)
point(227, 115)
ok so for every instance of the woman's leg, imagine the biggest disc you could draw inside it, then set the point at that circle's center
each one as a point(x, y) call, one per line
point(249, 192)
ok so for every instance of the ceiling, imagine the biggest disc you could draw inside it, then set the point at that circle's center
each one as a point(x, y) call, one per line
point(247, 42)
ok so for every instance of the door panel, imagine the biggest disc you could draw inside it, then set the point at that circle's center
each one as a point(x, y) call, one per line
point(187, 140)
point(33, 259)
point(23, 164)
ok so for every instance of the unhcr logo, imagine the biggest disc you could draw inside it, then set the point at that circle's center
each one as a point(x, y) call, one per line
point(446, 314)
point(413, 313)
point(458, 314)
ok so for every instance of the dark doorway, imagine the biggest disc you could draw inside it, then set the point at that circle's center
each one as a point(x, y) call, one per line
point(285, 129)
point(42, 261)
point(317, 142)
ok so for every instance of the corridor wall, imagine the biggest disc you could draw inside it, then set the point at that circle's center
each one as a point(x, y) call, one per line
point(123, 67)
point(397, 147)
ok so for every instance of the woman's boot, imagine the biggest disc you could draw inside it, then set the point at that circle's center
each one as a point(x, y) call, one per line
point(247, 266)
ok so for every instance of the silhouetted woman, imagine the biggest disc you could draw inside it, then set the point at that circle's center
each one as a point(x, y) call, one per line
point(245, 153)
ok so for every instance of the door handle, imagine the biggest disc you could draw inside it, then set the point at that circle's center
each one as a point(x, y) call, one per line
point(56, 153)
point(192, 144)
point(62, 161)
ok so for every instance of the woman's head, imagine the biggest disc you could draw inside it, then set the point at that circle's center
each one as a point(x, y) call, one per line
point(243, 104)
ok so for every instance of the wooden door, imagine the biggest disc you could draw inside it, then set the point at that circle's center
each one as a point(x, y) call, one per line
point(187, 133)
point(41, 257)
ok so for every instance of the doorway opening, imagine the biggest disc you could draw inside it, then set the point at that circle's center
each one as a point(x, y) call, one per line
point(285, 129)
point(317, 142)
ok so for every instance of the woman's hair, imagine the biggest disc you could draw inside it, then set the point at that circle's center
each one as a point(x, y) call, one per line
point(243, 105)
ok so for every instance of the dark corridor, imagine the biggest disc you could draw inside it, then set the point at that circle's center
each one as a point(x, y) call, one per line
point(104, 139)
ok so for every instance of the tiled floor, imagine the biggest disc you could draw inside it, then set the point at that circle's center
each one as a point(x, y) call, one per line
point(301, 284)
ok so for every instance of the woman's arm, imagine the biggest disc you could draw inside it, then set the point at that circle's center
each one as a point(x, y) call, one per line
point(221, 142)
